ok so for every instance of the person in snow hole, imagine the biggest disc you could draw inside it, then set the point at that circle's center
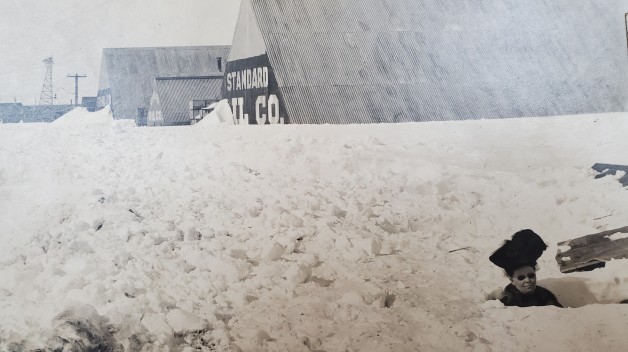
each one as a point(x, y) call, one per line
point(518, 257)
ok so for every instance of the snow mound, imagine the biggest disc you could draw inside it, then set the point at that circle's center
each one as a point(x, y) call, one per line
point(81, 117)
point(303, 237)
point(221, 115)
point(182, 321)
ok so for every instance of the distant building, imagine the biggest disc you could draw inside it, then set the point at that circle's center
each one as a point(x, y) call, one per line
point(127, 75)
point(200, 109)
point(16, 112)
point(368, 61)
point(177, 100)
point(45, 113)
point(11, 112)
point(89, 103)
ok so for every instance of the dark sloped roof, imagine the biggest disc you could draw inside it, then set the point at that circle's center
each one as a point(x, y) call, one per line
point(344, 61)
point(174, 95)
point(129, 73)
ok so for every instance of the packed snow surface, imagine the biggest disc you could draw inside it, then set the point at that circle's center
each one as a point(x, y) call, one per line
point(218, 237)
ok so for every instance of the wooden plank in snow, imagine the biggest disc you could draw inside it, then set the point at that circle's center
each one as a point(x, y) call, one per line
point(593, 250)
point(611, 169)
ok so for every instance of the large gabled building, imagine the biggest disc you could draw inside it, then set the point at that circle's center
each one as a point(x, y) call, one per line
point(365, 61)
point(127, 75)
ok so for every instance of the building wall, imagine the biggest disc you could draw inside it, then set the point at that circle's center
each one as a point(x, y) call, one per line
point(16, 112)
point(155, 112)
point(170, 101)
point(247, 38)
point(356, 61)
point(127, 74)
point(45, 113)
point(252, 91)
point(89, 103)
point(11, 112)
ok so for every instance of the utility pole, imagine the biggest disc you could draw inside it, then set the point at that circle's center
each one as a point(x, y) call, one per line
point(76, 77)
point(46, 97)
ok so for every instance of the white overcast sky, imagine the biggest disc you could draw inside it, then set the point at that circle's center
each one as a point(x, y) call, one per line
point(74, 32)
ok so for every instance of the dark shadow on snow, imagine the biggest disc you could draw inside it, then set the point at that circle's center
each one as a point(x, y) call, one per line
point(574, 292)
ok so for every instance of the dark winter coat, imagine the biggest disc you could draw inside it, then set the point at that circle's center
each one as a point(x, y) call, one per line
point(540, 297)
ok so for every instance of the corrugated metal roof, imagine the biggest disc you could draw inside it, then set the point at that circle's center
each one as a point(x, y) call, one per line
point(129, 73)
point(175, 94)
point(342, 61)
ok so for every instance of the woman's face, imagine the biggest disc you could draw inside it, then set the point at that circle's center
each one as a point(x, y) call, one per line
point(524, 279)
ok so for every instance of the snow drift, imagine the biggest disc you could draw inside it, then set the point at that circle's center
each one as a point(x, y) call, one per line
point(81, 117)
point(303, 238)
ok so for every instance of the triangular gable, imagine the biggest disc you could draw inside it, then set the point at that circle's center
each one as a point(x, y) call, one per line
point(247, 37)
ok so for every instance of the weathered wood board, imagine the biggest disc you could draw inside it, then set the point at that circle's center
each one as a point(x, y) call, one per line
point(611, 169)
point(592, 250)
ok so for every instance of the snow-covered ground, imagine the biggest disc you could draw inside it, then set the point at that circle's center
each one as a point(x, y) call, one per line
point(303, 238)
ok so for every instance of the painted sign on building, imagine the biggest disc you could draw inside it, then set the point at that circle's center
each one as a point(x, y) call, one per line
point(251, 89)
point(104, 98)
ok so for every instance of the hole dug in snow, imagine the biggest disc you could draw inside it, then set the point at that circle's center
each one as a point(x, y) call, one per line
point(389, 300)
point(321, 281)
point(575, 292)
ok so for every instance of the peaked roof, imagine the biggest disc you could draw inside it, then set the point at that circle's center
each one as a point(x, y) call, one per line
point(345, 61)
point(128, 73)
point(174, 95)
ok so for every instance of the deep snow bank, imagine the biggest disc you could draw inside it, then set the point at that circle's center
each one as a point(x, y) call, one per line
point(81, 117)
point(221, 115)
point(300, 238)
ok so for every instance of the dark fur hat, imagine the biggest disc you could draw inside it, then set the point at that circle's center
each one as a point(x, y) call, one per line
point(524, 248)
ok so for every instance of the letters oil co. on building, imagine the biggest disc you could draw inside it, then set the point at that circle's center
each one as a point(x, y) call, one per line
point(372, 61)
point(251, 90)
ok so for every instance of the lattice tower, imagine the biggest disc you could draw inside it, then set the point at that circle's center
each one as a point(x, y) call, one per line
point(47, 97)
